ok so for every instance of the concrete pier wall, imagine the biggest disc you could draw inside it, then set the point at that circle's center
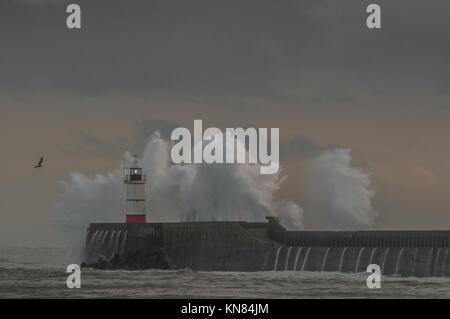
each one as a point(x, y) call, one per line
point(202, 246)
point(241, 246)
point(417, 262)
point(421, 239)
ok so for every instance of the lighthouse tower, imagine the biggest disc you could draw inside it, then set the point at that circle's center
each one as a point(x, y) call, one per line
point(135, 191)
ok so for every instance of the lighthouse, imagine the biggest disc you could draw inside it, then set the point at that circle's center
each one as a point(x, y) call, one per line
point(135, 193)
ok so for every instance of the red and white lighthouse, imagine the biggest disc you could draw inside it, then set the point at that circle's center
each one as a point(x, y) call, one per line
point(135, 191)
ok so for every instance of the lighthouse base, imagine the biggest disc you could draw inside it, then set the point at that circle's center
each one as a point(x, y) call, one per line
point(135, 219)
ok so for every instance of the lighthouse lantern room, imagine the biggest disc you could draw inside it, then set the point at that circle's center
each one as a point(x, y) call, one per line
point(135, 194)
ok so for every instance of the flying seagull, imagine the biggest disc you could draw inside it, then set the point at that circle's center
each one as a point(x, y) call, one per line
point(40, 163)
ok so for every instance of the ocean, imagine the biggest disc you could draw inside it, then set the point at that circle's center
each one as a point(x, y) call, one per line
point(40, 273)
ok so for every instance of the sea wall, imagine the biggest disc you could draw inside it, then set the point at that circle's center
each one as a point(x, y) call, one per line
point(372, 238)
point(223, 246)
point(417, 262)
point(241, 246)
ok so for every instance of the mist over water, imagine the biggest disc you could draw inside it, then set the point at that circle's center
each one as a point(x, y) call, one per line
point(337, 194)
point(191, 192)
point(207, 192)
point(83, 200)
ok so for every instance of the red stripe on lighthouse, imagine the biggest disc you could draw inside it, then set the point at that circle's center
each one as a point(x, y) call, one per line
point(135, 219)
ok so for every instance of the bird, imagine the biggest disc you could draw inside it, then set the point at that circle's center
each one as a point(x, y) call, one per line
point(40, 163)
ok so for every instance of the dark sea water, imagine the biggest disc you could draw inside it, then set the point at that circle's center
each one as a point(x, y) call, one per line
point(40, 273)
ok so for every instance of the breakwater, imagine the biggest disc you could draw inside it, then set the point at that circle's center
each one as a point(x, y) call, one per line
point(242, 246)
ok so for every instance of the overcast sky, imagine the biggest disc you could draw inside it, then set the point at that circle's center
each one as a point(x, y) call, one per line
point(312, 68)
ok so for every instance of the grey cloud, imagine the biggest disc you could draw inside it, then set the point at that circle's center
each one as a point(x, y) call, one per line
point(92, 145)
point(274, 49)
point(146, 127)
point(35, 3)
point(300, 146)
